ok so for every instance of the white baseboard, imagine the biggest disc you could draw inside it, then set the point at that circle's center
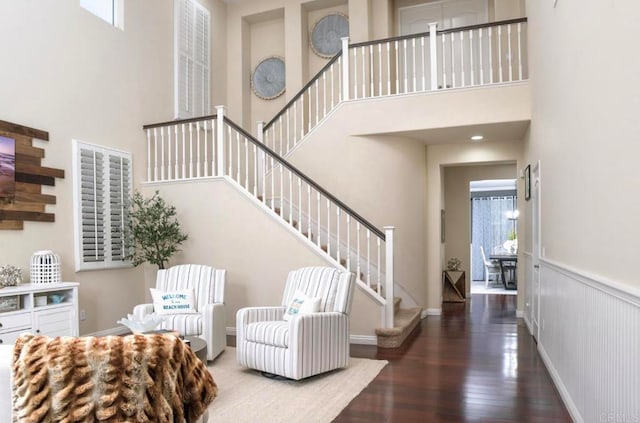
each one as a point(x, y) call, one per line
point(433, 311)
point(566, 397)
point(231, 330)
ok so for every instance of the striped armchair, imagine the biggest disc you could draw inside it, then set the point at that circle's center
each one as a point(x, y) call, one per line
point(307, 344)
point(209, 322)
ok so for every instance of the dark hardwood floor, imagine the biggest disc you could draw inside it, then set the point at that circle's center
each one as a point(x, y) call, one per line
point(475, 363)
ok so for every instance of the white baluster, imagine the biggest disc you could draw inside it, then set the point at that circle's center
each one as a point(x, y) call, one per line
point(206, 150)
point(433, 55)
point(413, 62)
point(184, 152)
point(364, 71)
point(318, 201)
point(471, 57)
point(480, 41)
point(238, 154)
point(371, 79)
point(379, 263)
point(246, 163)
point(288, 128)
point(389, 275)
point(462, 79)
point(519, 52)
point(500, 78)
point(509, 60)
point(155, 154)
point(280, 151)
point(388, 68)
point(273, 190)
point(299, 204)
point(340, 79)
point(169, 156)
point(220, 140)
point(404, 60)
point(255, 170)
point(295, 122)
point(176, 171)
point(328, 227)
point(281, 190)
point(290, 197)
point(338, 234)
point(369, 257)
point(358, 272)
point(423, 65)
point(230, 150)
point(349, 241)
point(345, 69)
point(190, 150)
point(148, 155)
point(444, 60)
point(317, 101)
point(324, 94)
point(453, 59)
point(308, 212)
point(198, 167)
point(332, 97)
point(162, 163)
point(260, 170)
point(397, 67)
point(490, 33)
point(380, 69)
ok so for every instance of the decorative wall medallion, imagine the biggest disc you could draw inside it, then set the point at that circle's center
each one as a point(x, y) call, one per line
point(268, 79)
point(327, 34)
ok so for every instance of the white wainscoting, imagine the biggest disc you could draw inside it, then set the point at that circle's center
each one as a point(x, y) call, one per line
point(590, 342)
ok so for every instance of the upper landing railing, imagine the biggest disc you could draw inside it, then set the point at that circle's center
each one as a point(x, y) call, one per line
point(470, 56)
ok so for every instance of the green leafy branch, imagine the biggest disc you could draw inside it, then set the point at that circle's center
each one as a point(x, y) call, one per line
point(153, 232)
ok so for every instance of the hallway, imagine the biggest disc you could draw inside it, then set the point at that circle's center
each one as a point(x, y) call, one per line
point(475, 363)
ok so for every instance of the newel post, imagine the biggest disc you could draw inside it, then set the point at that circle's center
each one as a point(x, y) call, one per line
point(433, 49)
point(345, 68)
point(389, 277)
point(261, 157)
point(220, 141)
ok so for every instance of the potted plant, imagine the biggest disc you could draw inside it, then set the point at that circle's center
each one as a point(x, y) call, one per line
point(153, 232)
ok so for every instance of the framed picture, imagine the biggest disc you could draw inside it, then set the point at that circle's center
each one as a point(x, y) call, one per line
point(442, 225)
point(7, 167)
point(527, 182)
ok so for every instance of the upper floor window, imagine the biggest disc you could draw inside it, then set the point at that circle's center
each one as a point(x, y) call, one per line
point(107, 10)
point(192, 68)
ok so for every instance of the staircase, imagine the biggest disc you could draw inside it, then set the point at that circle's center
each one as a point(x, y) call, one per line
point(215, 146)
point(405, 321)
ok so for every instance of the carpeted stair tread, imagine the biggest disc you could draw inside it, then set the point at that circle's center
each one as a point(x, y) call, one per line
point(396, 305)
point(405, 320)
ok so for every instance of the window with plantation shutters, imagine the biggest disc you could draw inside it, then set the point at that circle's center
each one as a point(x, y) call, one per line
point(102, 188)
point(192, 29)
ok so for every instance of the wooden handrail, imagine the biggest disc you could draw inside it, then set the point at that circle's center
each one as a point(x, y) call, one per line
point(303, 89)
point(179, 121)
point(442, 31)
point(380, 234)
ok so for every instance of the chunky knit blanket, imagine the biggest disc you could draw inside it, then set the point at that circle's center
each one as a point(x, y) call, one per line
point(136, 378)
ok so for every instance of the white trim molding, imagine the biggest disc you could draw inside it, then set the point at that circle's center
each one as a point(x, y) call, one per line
point(431, 312)
point(589, 340)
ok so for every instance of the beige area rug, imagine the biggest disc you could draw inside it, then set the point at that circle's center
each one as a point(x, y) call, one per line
point(246, 396)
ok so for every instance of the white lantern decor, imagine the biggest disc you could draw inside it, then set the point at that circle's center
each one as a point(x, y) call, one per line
point(45, 267)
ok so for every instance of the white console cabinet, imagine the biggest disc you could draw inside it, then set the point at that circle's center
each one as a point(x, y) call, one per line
point(45, 309)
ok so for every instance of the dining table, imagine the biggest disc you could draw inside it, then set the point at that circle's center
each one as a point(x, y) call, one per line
point(508, 269)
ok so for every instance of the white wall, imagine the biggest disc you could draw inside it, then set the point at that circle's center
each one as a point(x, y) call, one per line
point(584, 132)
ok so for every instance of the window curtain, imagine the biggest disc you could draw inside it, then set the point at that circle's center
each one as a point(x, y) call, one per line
point(489, 228)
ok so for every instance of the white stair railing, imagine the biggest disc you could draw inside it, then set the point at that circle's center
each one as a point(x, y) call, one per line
point(214, 146)
point(470, 56)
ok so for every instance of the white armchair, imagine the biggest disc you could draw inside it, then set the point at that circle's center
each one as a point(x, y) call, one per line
point(208, 322)
point(307, 344)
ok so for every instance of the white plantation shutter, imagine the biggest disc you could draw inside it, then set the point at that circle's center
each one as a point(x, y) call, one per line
point(102, 188)
point(192, 59)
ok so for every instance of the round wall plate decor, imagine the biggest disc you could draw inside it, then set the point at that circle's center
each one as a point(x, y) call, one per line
point(327, 33)
point(268, 79)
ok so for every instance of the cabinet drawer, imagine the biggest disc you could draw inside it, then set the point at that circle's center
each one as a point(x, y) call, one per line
point(10, 337)
point(15, 321)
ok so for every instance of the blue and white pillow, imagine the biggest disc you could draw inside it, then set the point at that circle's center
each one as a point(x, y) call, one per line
point(301, 304)
point(173, 302)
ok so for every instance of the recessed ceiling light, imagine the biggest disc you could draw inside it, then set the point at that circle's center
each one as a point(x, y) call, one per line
point(477, 138)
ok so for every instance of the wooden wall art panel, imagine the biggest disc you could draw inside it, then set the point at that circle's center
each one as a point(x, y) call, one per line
point(29, 203)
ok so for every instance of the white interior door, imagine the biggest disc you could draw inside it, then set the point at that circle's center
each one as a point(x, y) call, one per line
point(535, 233)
